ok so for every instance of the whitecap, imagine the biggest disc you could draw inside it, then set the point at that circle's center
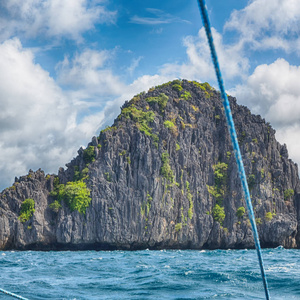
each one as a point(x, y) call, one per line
point(188, 272)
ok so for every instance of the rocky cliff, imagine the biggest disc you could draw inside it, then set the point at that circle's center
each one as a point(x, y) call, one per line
point(163, 176)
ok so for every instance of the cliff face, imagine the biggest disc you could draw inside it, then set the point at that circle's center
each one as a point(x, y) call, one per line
point(164, 176)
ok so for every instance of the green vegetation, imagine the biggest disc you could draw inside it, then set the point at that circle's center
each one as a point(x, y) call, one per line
point(240, 212)
point(205, 87)
point(195, 108)
point(288, 194)
point(145, 208)
point(75, 194)
point(176, 81)
point(163, 85)
point(136, 98)
point(242, 137)
point(218, 190)
point(258, 221)
point(178, 227)
point(55, 206)
point(122, 153)
point(187, 185)
point(255, 141)
point(220, 172)
point(107, 176)
point(27, 210)
point(269, 216)
point(89, 154)
point(190, 198)
point(228, 155)
point(162, 100)
point(177, 87)
point(80, 175)
point(177, 147)
point(170, 125)
point(251, 181)
point(218, 213)
point(142, 120)
point(166, 170)
point(137, 115)
point(56, 181)
point(186, 95)
point(191, 206)
point(108, 128)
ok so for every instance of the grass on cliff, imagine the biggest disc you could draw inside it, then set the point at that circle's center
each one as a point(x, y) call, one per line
point(218, 213)
point(166, 170)
point(142, 119)
point(75, 194)
point(89, 154)
point(205, 87)
point(27, 210)
point(220, 177)
point(162, 100)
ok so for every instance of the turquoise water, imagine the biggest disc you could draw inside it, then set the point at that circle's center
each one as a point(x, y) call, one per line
point(219, 274)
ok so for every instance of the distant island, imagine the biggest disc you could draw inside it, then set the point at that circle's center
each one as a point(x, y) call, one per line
point(163, 176)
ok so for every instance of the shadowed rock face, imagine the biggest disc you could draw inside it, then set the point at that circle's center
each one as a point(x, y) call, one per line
point(157, 178)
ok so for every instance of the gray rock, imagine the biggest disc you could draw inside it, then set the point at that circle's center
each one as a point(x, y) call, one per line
point(134, 205)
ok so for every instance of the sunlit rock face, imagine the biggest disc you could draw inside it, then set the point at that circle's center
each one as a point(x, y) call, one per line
point(163, 176)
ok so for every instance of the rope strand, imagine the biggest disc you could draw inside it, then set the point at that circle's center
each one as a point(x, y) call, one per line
point(234, 142)
point(12, 294)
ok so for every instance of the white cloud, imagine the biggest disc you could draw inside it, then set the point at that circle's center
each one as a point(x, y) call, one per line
point(159, 18)
point(39, 126)
point(89, 73)
point(268, 25)
point(134, 65)
point(273, 91)
point(51, 17)
point(199, 65)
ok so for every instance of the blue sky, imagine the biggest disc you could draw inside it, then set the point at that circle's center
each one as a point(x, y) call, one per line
point(68, 65)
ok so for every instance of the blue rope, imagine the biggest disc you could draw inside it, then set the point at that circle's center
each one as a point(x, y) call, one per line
point(234, 141)
point(12, 294)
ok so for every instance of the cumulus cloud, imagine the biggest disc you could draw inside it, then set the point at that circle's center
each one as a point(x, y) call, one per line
point(199, 65)
point(273, 91)
point(89, 73)
point(53, 18)
point(265, 25)
point(39, 123)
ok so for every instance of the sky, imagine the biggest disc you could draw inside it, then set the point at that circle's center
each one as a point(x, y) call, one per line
point(66, 67)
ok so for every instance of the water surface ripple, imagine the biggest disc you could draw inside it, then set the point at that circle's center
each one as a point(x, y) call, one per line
point(167, 274)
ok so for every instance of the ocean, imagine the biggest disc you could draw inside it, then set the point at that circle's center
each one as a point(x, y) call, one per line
point(166, 274)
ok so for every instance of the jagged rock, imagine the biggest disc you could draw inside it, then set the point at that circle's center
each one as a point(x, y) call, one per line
point(155, 178)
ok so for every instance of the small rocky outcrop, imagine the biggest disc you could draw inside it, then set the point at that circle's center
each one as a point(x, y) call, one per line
point(163, 176)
